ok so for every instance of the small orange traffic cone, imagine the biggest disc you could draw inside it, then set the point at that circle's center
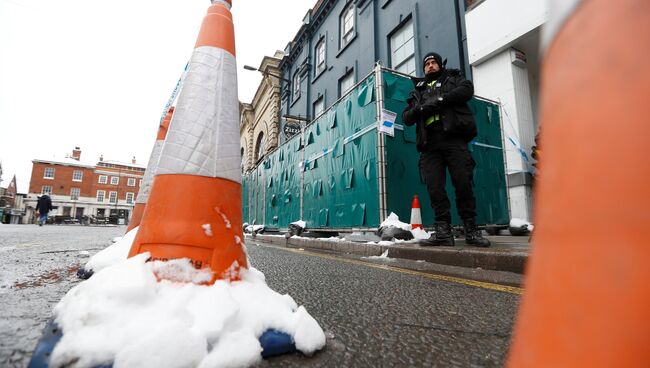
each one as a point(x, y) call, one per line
point(416, 215)
point(587, 297)
point(147, 180)
point(194, 209)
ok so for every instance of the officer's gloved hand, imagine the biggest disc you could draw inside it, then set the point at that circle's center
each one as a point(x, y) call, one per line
point(415, 112)
point(428, 110)
point(432, 107)
point(417, 109)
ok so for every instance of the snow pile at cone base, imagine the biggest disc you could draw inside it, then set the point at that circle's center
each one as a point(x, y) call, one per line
point(124, 315)
point(419, 234)
point(116, 252)
point(393, 220)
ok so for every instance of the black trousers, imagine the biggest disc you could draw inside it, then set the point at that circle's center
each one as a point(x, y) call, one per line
point(433, 167)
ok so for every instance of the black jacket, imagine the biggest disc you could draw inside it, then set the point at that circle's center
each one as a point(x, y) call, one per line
point(457, 120)
point(44, 204)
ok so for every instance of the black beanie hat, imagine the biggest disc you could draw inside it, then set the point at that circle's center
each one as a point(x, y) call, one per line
point(432, 55)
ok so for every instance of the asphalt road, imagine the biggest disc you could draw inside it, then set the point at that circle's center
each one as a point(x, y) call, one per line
point(375, 313)
point(39, 266)
point(378, 315)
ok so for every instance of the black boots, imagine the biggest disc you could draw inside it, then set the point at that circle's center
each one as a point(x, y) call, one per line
point(474, 236)
point(441, 237)
point(444, 237)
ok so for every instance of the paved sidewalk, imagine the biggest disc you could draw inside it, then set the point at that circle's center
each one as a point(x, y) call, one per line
point(507, 253)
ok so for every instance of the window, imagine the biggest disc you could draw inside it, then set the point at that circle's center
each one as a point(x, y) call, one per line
point(74, 193)
point(46, 189)
point(320, 56)
point(347, 25)
point(77, 175)
point(140, 183)
point(243, 160)
point(319, 106)
point(259, 151)
point(346, 83)
point(130, 182)
point(112, 197)
point(100, 195)
point(296, 85)
point(115, 180)
point(129, 198)
point(402, 46)
point(49, 173)
point(103, 179)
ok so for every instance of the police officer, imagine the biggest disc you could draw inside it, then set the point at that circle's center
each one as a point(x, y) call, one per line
point(444, 125)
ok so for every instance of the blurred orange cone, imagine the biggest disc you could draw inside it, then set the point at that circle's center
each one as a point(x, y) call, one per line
point(145, 188)
point(587, 297)
point(416, 215)
point(194, 209)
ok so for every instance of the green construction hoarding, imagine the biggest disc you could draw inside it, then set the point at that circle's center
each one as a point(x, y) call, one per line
point(343, 172)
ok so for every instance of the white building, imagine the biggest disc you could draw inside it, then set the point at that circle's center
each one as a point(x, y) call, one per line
point(503, 41)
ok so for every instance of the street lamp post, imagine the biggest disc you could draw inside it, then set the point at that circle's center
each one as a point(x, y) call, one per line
point(289, 129)
point(281, 78)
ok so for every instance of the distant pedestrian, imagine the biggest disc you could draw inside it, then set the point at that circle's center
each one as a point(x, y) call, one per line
point(444, 126)
point(43, 207)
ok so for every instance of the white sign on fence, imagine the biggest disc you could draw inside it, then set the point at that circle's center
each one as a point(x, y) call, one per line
point(387, 122)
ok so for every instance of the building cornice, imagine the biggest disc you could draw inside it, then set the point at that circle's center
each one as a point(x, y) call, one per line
point(54, 162)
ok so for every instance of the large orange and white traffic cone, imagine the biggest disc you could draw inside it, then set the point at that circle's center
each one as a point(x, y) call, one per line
point(587, 297)
point(416, 214)
point(152, 166)
point(194, 209)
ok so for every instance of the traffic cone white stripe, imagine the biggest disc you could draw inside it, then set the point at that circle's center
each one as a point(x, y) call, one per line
point(416, 218)
point(416, 215)
point(195, 144)
point(147, 179)
point(152, 167)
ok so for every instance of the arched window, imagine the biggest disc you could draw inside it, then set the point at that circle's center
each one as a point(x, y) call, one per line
point(296, 85)
point(243, 160)
point(260, 147)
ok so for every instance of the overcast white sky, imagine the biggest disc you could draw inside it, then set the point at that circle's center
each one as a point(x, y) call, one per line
point(97, 74)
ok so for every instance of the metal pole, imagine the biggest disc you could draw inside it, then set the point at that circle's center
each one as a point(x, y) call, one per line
point(263, 193)
point(381, 165)
point(302, 167)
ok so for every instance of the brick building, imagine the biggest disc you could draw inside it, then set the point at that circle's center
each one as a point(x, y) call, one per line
point(11, 209)
point(80, 190)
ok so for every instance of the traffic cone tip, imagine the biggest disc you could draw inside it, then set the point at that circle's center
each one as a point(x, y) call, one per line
point(198, 180)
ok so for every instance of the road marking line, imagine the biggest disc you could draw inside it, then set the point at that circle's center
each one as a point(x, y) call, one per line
point(456, 280)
